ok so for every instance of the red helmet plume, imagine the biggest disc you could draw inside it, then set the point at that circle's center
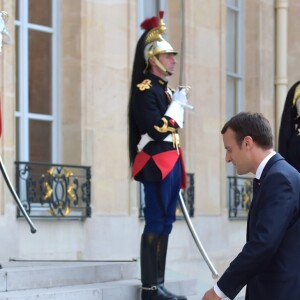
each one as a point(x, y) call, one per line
point(150, 23)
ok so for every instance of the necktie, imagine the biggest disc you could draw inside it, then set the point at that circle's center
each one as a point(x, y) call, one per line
point(255, 186)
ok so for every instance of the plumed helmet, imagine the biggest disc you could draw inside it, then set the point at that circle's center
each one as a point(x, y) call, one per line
point(154, 42)
point(158, 47)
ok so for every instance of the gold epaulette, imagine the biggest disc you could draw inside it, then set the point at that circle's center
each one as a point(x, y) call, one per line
point(145, 85)
point(296, 95)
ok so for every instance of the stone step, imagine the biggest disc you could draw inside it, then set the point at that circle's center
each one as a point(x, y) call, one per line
point(116, 290)
point(33, 276)
point(83, 280)
point(101, 291)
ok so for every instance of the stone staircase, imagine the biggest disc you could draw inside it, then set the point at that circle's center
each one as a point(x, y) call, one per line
point(81, 280)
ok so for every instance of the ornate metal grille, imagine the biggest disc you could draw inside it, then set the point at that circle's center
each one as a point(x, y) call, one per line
point(240, 196)
point(54, 190)
point(188, 196)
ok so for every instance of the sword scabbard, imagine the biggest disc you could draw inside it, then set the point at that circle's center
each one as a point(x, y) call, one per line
point(195, 237)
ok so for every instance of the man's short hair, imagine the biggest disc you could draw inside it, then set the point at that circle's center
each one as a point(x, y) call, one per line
point(251, 124)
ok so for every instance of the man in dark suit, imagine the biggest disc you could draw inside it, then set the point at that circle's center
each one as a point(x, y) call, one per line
point(269, 263)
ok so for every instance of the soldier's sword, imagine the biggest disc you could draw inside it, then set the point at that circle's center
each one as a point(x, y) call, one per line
point(195, 237)
point(15, 196)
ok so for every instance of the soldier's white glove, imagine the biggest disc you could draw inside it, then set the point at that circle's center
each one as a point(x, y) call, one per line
point(180, 95)
point(176, 108)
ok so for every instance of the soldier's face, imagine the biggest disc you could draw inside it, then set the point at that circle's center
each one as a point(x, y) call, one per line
point(168, 60)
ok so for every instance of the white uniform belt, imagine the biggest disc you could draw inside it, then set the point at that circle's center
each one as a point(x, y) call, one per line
point(145, 139)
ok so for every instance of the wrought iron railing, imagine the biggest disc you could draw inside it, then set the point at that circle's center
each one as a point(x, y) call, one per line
point(188, 196)
point(54, 190)
point(240, 196)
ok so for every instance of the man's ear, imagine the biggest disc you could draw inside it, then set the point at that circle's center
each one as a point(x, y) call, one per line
point(248, 141)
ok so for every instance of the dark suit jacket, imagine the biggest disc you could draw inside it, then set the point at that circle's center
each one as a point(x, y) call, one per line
point(269, 263)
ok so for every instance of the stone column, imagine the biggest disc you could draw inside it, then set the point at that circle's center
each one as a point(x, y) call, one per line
point(281, 42)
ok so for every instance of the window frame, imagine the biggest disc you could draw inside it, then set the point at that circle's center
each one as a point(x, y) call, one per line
point(238, 75)
point(23, 114)
point(157, 5)
point(237, 102)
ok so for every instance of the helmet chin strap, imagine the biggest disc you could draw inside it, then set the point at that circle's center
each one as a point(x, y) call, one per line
point(160, 66)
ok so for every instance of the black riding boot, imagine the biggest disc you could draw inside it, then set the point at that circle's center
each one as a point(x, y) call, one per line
point(149, 275)
point(162, 248)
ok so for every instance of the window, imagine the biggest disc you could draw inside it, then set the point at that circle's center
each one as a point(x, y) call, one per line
point(148, 9)
point(235, 61)
point(37, 108)
point(238, 187)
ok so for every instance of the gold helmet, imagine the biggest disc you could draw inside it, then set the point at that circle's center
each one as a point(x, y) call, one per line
point(154, 42)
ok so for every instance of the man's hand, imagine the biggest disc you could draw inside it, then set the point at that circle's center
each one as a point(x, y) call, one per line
point(211, 295)
point(180, 96)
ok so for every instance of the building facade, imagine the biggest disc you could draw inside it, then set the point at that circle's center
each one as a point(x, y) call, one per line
point(65, 78)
